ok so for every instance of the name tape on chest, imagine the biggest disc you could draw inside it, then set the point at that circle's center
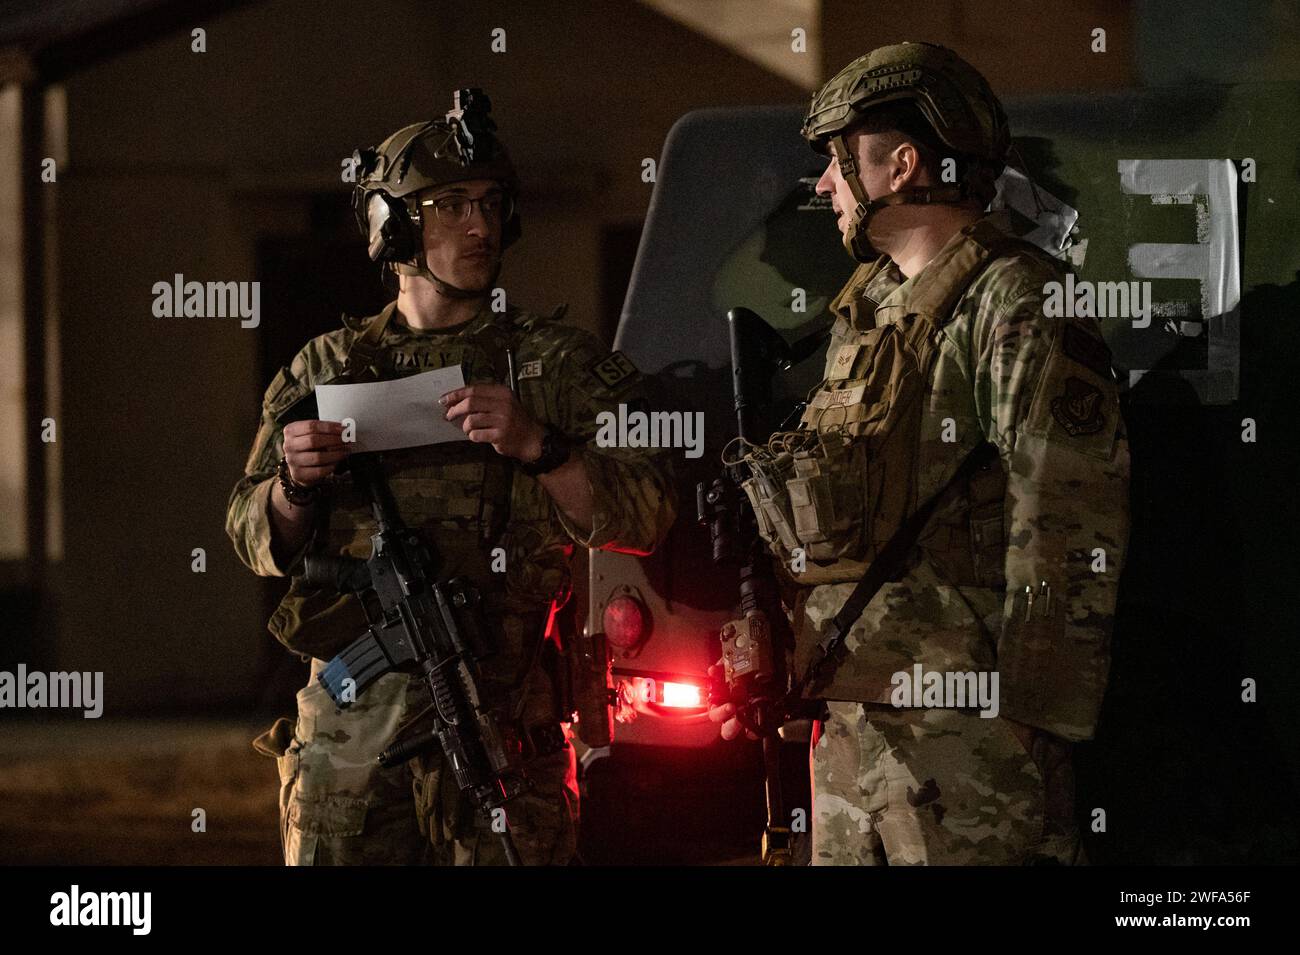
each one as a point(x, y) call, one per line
point(840, 398)
point(530, 369)
point(423, 359)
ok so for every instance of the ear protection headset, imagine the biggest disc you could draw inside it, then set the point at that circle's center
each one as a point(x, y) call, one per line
point(392, 229)
point(385, 201)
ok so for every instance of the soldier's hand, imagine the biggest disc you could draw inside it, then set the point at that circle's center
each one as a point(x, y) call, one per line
point(490, 413)
point(313, 449)
point(726, 713)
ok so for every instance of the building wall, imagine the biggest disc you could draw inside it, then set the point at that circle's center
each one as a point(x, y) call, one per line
point(13, 473)
point(1021, 46)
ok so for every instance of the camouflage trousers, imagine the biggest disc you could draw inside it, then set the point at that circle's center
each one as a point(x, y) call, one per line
point(339, 807)
point(938, 787)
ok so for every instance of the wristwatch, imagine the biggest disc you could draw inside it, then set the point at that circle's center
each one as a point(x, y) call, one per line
point(556, 448)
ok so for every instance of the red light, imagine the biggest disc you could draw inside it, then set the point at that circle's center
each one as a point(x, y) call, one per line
point(625, 621)
point(666, 699)
point(681, 694)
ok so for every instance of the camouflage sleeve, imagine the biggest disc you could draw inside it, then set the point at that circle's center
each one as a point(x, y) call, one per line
point(633, 492)
point(1053, 411)
point(248, 521)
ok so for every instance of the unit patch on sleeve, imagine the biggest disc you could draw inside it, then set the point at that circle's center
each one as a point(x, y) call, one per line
point(1079, 409)
point(613, 369)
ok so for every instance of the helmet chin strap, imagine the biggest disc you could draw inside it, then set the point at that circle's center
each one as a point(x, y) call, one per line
point(856, 240)
point(444, 287)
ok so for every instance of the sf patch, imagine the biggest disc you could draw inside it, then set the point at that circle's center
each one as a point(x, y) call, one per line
point(1079, 409)
point(612, 370)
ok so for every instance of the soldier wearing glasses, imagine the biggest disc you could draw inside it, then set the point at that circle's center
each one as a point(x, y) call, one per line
point(437, 203)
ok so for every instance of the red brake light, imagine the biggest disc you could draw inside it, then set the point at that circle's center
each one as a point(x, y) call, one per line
point(673, 700)
point(681, 694)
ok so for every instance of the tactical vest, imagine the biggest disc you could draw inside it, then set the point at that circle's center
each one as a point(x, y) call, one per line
point(841, 485)
point(457, 493)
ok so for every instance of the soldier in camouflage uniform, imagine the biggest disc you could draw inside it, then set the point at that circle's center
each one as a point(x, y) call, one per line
point(436, 201)
point(940, 344)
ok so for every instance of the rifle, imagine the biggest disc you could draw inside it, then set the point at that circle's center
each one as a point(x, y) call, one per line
point(424, 626)
point(758, 646)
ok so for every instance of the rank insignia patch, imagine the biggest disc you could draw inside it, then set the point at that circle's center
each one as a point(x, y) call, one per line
point(614, 369)
point(1079, 409)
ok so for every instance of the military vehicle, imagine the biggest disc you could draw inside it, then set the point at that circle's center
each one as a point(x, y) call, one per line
point(1190, 189)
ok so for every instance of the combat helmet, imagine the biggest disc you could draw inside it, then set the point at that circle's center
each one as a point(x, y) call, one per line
point(950, 94)
point(460, 146)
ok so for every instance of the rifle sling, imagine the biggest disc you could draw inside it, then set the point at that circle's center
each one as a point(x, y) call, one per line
point(830, 651)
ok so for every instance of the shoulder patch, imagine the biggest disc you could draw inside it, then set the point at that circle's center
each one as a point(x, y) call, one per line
point(1078, 410)
point(1088, 350)
point(288, 399)
point(283, 391)
point(613, 369)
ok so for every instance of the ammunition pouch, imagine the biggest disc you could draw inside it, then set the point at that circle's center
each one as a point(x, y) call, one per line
point(808, 499)
point(828, 496)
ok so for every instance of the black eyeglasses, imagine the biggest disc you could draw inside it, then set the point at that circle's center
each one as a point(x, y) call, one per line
point(453, 210)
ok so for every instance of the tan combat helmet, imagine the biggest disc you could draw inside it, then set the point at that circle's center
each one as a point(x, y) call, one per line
point(952, 96)
point(460, 146)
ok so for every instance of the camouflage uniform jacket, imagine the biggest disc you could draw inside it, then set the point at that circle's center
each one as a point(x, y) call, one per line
point(466, 498)
point(1041, 390)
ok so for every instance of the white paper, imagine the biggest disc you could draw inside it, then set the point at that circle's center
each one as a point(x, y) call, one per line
point(403, 413)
